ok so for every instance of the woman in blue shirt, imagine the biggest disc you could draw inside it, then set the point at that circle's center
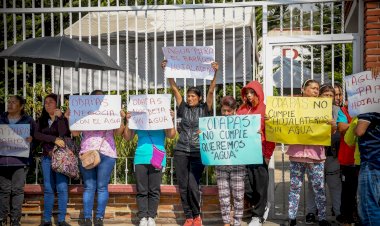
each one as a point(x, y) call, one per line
point(148, 178)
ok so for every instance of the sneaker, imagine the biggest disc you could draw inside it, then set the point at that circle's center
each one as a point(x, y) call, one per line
point(266, 213)
point(324, 223)
point(143, 222)
point(151, 222)
point(310, 218)
point(197, 221)
point(63, 223)
point(86, 222)
point(292, 222)
point(46, 223)
point(98, 222)
point(255, 222)
point(188, 222)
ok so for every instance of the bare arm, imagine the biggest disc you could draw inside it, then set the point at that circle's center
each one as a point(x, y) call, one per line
point(210, 93)
point(128, 133)
point(173, 86)
point(170, 133)
point(361, 128)
point(343, 127)
point(120, 130)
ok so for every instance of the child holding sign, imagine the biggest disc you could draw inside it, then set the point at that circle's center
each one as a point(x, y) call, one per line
point(13, 168)
point(312, 158)
point(230, 177)
point(258, 177)
point(148, 175)
point(187, 158)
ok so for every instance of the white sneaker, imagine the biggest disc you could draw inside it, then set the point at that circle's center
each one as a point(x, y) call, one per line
point(143, 222)
point(255, 222)
point(266, 213)
point(151, 222)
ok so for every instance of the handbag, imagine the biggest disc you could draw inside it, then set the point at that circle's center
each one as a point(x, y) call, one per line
point(157, 156)
point(64, 160)
point(91, 159)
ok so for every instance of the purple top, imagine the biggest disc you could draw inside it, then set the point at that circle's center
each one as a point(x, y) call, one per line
point(92, 140)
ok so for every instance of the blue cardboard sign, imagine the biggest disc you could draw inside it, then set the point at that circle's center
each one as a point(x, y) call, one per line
point(230, 140)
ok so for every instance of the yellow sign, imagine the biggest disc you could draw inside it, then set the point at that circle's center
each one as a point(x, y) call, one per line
point(299, 120)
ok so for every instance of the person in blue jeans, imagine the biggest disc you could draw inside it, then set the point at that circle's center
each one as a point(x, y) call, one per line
point(50, 129)
point(148, 177)
point(368, 131)
point(97, 178)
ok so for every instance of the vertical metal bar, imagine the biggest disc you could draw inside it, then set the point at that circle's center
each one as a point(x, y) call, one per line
point(301, 19)
point(146, 49)
point(14, 42)
point(184, 41)
point(265, 33)
point(23, 63)
point(71, 36)
point(311, 47)
point(34, 65)
point(343, 54)
point(281, 19)
point(127, 52)
point(204, 44)
point(117, 50)
point(332, 17)
point(5, 29)
point(126, 166)
point(224, 51)
point(171, 171)
point(115, 173)
point(136, 52)
point(108, 49)
point(43, 35)
point(321, 26)
point(100, 73)
point(155, 49)
point(52, 35)
point(61, 69)
point(165, 33)
point(244, 52)
point(194, 35)
point(234, 52)
point(332, 46)
point(291, 20)
point(254, 40)
point(89, 71)
point(322, 64)
point(302, 64)
point(291, 72)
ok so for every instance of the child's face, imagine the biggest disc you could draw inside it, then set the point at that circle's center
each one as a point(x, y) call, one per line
point(227, 110)
point(252, 98)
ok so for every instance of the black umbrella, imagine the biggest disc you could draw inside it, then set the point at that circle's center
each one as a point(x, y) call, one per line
point(60, 51)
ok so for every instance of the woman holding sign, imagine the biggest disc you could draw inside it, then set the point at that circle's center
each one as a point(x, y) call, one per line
point(258, 177)
point(312, 158)
point(187, 157)
point(230, 178)
point(51, 127)
point(148, 164)
point(13, 168)
point(97, 177)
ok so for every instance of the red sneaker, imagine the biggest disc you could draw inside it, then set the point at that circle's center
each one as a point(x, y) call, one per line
point(188, 222)
point(198, 221)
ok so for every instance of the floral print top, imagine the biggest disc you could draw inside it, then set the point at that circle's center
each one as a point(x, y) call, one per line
point(92, 140)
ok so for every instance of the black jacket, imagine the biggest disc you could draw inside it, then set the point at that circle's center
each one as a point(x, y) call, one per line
point(188, 137)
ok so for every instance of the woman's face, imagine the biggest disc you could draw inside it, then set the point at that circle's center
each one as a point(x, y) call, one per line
point(328, 94)
point(192, 99)
point(227, 110)
point(311, 90)
point(338, 96)
point(50, 105)
point(252, 98)
point(14, 106)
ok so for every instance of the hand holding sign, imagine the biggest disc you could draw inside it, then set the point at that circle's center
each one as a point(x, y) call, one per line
point(15, 140)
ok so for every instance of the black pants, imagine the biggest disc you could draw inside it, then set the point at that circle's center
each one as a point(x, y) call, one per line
point(348, 206)
point(12, 180)
point(256, 188)
point(148, 181)
point(189, 171)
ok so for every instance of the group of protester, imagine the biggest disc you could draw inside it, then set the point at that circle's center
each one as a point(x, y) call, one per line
point(334, 164)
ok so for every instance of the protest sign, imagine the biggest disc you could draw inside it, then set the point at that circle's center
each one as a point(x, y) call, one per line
point(150, 112)
point(299, 120)
point(189, 62)
point(12, 140)
point(363, 93)
point(230, 140)
point(95, 112)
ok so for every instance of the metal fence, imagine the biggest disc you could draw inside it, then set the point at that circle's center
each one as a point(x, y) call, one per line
point(280, 43)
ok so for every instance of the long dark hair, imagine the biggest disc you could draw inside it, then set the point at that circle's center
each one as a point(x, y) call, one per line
point(326, 88)
point(21, 100)
point(43, 120)
point(195, 90)
point(229, 101)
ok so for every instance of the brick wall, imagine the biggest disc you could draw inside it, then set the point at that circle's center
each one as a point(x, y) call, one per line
point(372, 34)
point(122, 206)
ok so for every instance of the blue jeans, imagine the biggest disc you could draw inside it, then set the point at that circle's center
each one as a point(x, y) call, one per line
point(97, 179)
point(369, 195)
point(54, 181)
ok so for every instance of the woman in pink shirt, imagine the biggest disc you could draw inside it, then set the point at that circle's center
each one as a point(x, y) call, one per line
point(310, 158)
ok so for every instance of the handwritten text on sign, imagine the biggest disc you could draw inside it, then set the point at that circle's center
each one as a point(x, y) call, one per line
point(12, 140)
point(95, 112)
point(230, 140)
point(363, 91)
point(150, 112)
point(189, 62)
point(299, 120)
